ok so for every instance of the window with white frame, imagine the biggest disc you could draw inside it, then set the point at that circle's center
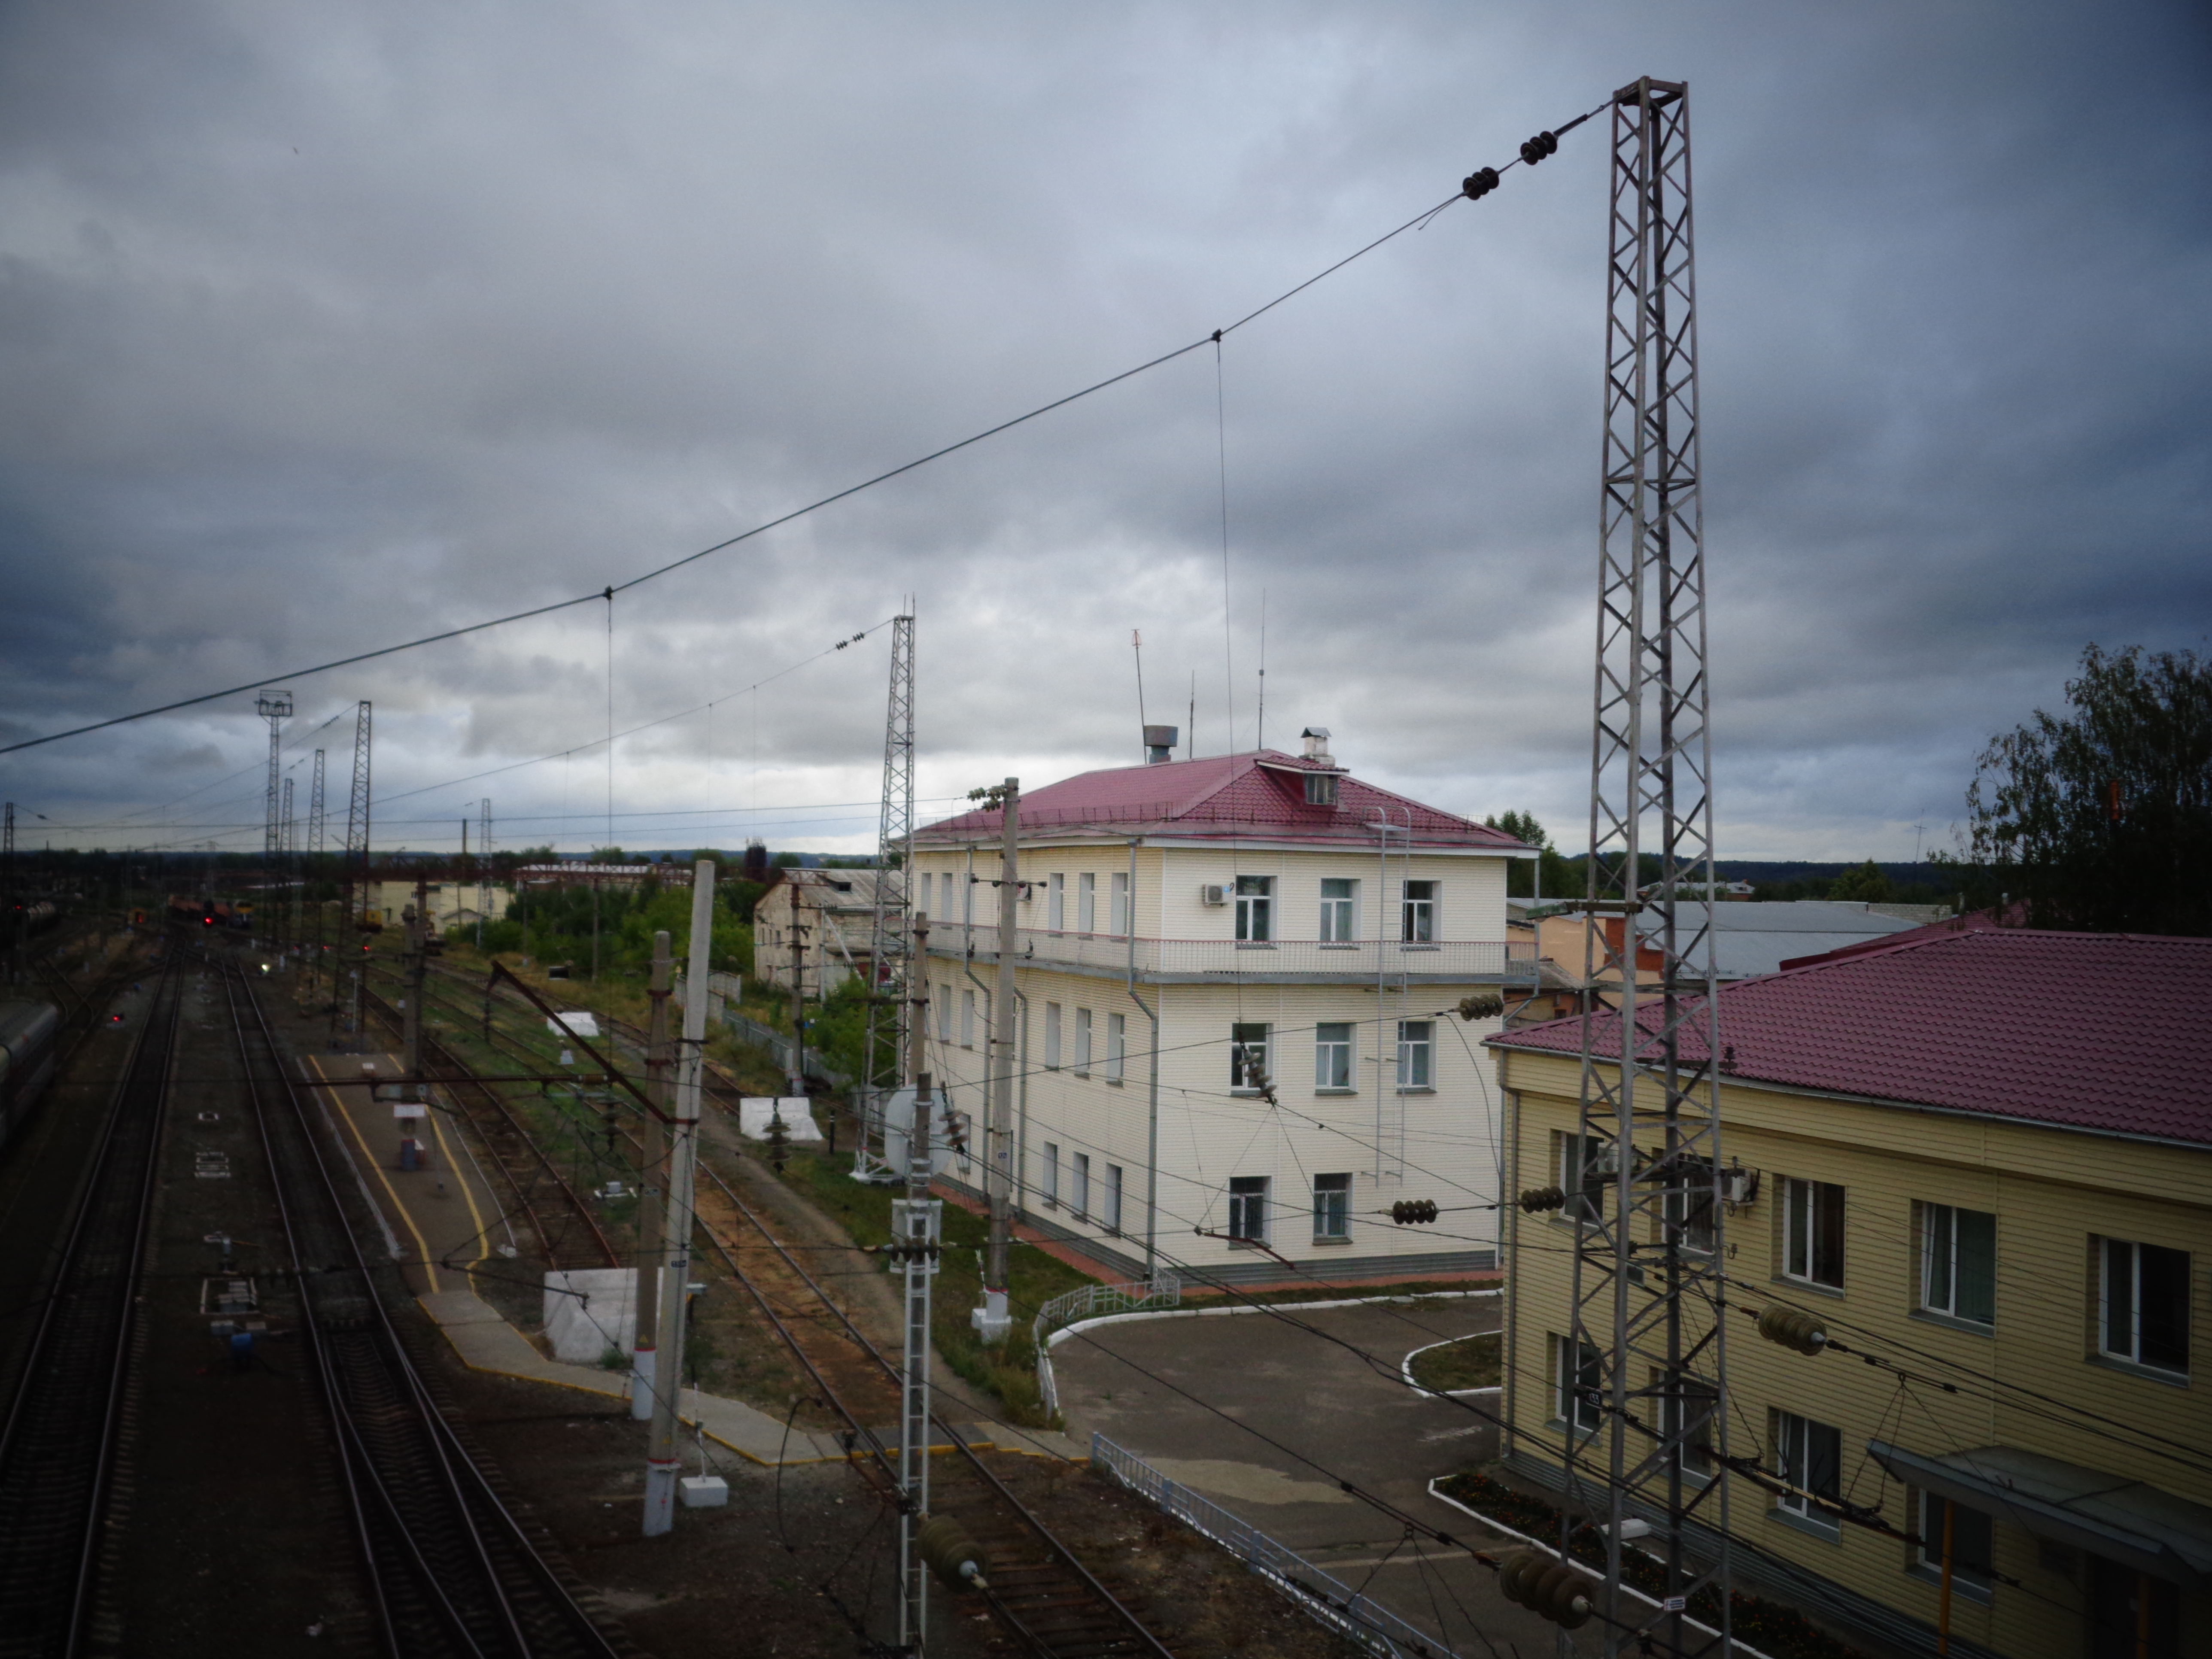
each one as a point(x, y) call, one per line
point(1048, 1172)
point(1417, 1045)
point(1079, 1185)
point(1247, 1208)
point(1082, 1042)
point(1809, 1457)
point(1339, 923)
point(1332, 1055)
point(1688, 1412)
point(1417, 919)
point(944, 1001)
point(1812, 1231)
point(1052, 1036)
point(967, 1019)
point(1973, 1542)
point(1086, 903)
point(1117, 1045)
point(1577, 1385)
point(1332, 1206)
point(1109, 1200)
point(1320, 789)
point(1248, 1070)
point(1255, 905)
point(1118, 906)
point(1958, 1263)
point(1689, 1201)
point(921, 894)
point(1055, 902)
point(1585, 1175)
point(2143, 1315)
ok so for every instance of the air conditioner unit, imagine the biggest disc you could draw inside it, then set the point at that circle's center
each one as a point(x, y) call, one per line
point(1214, 892)
point(1739, 1187)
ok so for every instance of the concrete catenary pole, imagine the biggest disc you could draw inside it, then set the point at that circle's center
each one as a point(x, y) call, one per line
point(662, 1464)
point(916, 1222)
point(417, 919)
point(992, 1320)
point(651, 1187)
point(799, 932)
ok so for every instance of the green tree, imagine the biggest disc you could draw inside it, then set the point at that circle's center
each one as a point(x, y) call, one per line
point(2101, 819)
point(1561, 878)
point(1864, 882)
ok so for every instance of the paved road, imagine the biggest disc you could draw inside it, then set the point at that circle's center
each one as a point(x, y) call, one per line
point(1341, 1403)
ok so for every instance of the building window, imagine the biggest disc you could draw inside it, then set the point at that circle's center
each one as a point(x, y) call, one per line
point(1690, 1202)
point(2145, 1316)
point(1813, 1232)
point(1118, 920)
point(1577, 1385)
point(1110, 1209)
point(1082, 1042)
point(1585, 1175)
point(921, 894)
point(1248, 1058)
point(1052, 1036)
point(1809, 1457)
point(1117, 1045)
point(1050, 1185)
point(1420, 921)
point(2125, 1603)
point(1055, 903)
point(1338, 923)
point(1332, 1195)
point(1247, 1208)
point(944, 1001)
point(1086, 903)
point(1078, 1187)
point(1332, 1055)
point(1320, 789)
point(967, 1019)
point(1958, 1263)
point(1255, 902)
point(1973, 1541)
point(1689, 1413)
point(1416, 1042)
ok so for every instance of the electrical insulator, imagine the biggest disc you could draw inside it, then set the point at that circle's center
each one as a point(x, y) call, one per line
point(1411, 1212)
point(911, 1250)
point(1536, 1200)
point(944, 1543)
point(1547, 1587)
point(1478, 183)
point(1543, 144)
point(1481, 1008)
point(1792, 1327)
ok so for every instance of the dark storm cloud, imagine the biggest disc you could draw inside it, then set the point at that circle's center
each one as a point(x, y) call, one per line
point(324, 329)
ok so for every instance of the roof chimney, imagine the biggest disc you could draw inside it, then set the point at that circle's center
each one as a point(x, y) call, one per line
point(1160, 742)
point(1317, 739)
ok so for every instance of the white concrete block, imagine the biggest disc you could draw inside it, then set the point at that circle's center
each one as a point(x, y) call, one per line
point(704, 1491)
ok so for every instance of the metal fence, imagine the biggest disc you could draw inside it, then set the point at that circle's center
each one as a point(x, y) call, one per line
point(724, 989)
point(1327, 1599)
point(1090, 1302)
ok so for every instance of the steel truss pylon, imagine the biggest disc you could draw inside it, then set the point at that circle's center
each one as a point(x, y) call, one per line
point(315, 807)
point(275, 707)
point(357, 840)
point(1646, 1378)
point(891, 950)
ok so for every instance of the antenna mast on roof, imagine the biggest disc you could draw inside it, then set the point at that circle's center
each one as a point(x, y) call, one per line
point(891, 950)
point(1648, 1381)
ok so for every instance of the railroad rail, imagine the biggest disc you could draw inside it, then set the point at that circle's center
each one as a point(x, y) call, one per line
point(57, 1444)
point(451, 1568)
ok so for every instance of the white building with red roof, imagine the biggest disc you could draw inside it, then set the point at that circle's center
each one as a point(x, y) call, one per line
point(1236, 1029)
point(1979, 1159)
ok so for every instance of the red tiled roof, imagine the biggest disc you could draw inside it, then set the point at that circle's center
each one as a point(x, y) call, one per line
point(1258, 795)
point(2107, 1032)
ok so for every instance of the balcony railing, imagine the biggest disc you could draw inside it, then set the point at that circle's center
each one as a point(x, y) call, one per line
point(1506, 961)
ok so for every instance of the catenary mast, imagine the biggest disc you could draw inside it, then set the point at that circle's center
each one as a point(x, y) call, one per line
point(889, 941)
point(1648, 1379)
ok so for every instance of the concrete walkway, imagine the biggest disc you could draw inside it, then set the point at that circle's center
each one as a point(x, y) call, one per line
point(1267, 1420)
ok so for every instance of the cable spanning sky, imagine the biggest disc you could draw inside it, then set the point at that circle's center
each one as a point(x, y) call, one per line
point(329, 329)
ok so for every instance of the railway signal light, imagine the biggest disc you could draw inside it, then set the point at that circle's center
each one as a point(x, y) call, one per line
point(1414, 1212)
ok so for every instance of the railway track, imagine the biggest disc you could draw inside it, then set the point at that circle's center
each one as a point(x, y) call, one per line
point(450, 1567)
point(58, 1442)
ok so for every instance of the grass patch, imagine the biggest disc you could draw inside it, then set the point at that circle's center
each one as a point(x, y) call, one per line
point(1197, 1296)
point(1470, 1363)
point(1008, 1370)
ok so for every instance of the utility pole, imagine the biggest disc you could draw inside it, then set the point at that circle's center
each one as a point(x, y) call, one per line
point(356, 841)
point(1650, 1439)
point(991, 1320)
point(917, 1222)
point(418, 967)
point(652, 1214)
point(275, 707)
point(661, 1463)
point(797, 992)
point(485, 887)
point(888, 964)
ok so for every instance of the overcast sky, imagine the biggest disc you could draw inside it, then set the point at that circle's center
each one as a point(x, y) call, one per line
point(326, 327)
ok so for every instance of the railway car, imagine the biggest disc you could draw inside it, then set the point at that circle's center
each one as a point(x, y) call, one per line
point(28, 1033)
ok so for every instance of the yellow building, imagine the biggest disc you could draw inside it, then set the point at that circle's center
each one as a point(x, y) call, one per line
point(1984, 1164)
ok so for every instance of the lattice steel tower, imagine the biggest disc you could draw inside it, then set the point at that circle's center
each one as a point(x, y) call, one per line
point(357, 840)
point(891, 950)
point(1647, 1378)
point(275, 707)
point(315, 807)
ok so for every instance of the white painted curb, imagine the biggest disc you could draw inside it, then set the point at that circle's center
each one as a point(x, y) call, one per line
point(1406, 1368)
point(1067, 1331)
point(1739, 1645)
